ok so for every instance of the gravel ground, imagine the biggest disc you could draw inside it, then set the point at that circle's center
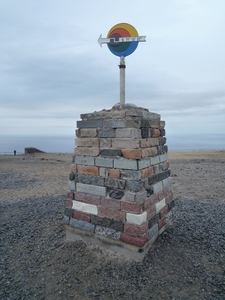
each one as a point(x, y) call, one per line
point(186, 262)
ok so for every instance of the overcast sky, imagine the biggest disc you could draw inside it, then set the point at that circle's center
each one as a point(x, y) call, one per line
point(52, 68)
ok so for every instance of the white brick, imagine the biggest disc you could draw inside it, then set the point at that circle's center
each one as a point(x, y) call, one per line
point(136, 219)
point(160, 205)
point(85, 207)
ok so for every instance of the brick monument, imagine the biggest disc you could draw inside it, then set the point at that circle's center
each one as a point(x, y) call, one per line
point(119, 193)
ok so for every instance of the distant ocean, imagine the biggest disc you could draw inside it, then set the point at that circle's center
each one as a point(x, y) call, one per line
point(66, 144)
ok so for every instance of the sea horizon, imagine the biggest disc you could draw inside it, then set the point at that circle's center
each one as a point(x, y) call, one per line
point(66, 144)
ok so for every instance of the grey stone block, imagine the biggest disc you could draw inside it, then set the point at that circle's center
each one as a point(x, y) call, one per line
point(145, 123)
point(115, 183)
point(153, 230)
point(93, 189)
point(141, 196)
point(130, 196)
point(132, 175)
point(85, 160)
point(144, 163)
point(123, 163)
point(109, 223)
point(106, 133)
point(162, 140)
point(162, 132)
point(133, 122)
point(114, 123)
point(144, 133)
point(154, 220)
point(111, 233)
point(104, 162)
point(163, 157)
point(82, 225)
point(135, 186)
point(161, 167)
point(110, 152)
point(71, 185)
point(105, 143)
point(162, 176)
point(95, 123)
point(153, 179)
point(156, 169)
point(89, 179)
point(154, 160)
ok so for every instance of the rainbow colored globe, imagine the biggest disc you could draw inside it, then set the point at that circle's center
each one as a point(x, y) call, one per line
point(119, 31)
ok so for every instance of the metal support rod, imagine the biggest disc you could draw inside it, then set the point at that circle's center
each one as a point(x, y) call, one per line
point(122, 67)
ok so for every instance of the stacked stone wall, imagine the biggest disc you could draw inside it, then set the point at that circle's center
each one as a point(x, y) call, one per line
point(120, 186)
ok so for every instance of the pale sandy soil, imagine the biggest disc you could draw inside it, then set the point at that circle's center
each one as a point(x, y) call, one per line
point(198, 175)
point(35, 175)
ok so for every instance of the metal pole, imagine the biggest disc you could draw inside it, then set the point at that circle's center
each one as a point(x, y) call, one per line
point(122, 67)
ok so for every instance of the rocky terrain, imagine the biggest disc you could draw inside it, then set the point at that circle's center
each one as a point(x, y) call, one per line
point(36, 262)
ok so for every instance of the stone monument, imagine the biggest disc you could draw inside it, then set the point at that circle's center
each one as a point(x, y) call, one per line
point(119, 193)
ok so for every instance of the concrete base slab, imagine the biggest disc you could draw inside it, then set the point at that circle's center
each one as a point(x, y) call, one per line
point(116, 246)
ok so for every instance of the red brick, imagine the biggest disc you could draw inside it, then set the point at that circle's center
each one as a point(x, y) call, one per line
point(169, 197)
point(110, 203)
point(90, 170)
point(150, 201)
point(134, 240)
point(156, 132)
point(162, 194)
point(163, 212)
point(112, 214)
point(132, 153)
point(131, 207)
point(149, 152)
point(87, 198)
point(70, 195)
point(69, 203)
point(146, 172)
point(114, 173)
point(166, 192)
point(81, 216)
point(162, 223)
point(136, 230)
point(151, 211)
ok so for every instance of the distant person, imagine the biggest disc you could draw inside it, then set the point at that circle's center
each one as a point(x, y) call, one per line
point(14, 152)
